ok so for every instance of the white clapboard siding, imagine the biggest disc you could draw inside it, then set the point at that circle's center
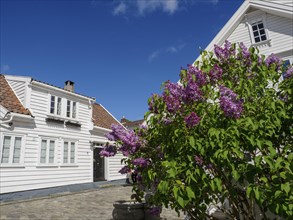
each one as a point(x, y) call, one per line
point(280, 31)
point(32, 174)
point(19, 89)
point(114, 166)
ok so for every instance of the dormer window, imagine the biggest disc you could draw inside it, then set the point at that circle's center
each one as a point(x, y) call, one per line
point(259, 32)
point(256, 22)
point(55, 105)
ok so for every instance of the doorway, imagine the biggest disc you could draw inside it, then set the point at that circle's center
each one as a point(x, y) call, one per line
point(99, 165)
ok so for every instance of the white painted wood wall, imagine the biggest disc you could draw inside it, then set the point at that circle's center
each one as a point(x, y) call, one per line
point(280, 32)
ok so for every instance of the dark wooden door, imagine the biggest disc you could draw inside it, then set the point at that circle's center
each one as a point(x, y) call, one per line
point(99, 165)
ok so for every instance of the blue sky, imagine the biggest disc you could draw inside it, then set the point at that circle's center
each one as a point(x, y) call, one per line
point(117, 51)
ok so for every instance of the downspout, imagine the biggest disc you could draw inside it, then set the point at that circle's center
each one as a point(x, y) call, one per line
point(8, 120)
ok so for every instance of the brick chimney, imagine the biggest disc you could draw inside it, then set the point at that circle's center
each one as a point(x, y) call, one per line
point(69, 86)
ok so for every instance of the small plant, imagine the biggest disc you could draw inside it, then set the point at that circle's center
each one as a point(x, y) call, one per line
point(220, 139)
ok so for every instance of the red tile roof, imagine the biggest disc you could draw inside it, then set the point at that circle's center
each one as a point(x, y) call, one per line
point(102, 118)
point(9, 100)
point(131, 124)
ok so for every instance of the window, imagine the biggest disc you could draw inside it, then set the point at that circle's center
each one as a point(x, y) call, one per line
point(69, 150)
point(259, 32)
point(256, 22)
point(11, 149)
point(55, 105)
point(47, 154)
point(71, 109)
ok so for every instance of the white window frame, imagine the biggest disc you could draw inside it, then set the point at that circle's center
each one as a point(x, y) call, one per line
point(55, 110)
point(47, 159)
point(12, 148)
point(253, 18)
point(69, 161)
point(71, 109)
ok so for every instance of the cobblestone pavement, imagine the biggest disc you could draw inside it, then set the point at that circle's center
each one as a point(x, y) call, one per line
point(88, 205)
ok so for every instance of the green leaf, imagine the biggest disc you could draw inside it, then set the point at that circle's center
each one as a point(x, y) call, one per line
point(235, 175)
point(192, 142)
point(278, 193)
point(286, 187)
point(190, 193)
point(256, 193)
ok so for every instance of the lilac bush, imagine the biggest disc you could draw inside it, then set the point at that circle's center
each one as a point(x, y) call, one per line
point(222, 135)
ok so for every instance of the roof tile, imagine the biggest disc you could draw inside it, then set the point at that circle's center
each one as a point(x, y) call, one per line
point(9, 100)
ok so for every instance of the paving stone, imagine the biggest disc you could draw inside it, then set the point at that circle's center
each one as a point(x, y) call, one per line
point(95, 204)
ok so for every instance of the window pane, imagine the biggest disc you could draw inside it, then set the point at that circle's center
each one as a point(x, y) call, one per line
point(262, 32)
point(254, 27)
point(52, 106)
point(260, 26)
point(43, 151)
point(72, 152)
point(68, 109)
point(255, 33)
point(65, 153)
point(5, 149)
point(263, 37)
point(51, 152)
point(59, 106)
point(74, 110)
point(257, 39)
point(17, 147)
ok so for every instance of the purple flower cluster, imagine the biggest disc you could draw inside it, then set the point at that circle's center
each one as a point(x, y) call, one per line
point(130, 141)
point(124, 170)
point(108, 151)
point(198, 160)
point(152, 103)
point(273, 59)
point(155, 211)
point(229, 103)
point(200, 78)
point(215, 73)
point(172, 96)
point(244, 51)
point(141, 162)
point(192, 120)
point(192, 91)
point(224, 53)
point(288, 73)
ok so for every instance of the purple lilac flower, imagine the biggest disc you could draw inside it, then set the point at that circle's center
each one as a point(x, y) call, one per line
point(192, 91)
point(192, 120)
point(273, 59)
point(152, 106)
point(130, 141)
point(198, 160)
point(215, 73)
point(124, 170)
point(229, 103)
point(139, 178)
point(108, 151)
point(224, 53)
point(141, 162)
point(244, 51)
point(288, 73)
point(167, 121)
point(155, 211)
point(172, 96)
point(200, 77)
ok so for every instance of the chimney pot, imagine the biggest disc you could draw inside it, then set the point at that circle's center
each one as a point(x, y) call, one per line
point(69, 86)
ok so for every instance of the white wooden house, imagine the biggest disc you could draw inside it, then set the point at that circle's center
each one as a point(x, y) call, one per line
point(265, 24)
point(47, 136)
